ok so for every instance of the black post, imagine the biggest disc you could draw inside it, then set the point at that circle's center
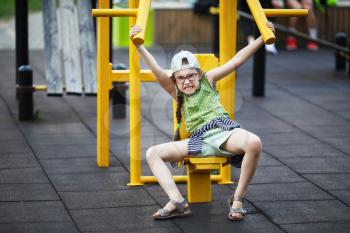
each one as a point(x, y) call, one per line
point(349, 59)
point(216, 30)
point(216, 33)
point(341, 40)
point(21, 35)
point(259, 64)
point(118, 91)
point(93, 6)
point(118, 94)
point(25, 93)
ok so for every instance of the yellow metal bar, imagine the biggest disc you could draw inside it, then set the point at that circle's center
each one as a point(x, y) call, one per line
point(226, 86)
point(272, 12)
point(152, 179)
point(183, 179)
point(198, 168)
point(114, 12)
point(214, 10)
point(142, 18)
point(260, 19)
point(40, 87)
point(285, 12)
point(135, 110)
point(198, 186)
point(208, 160)
point(103, 88)
point(207, 61)
point(123, 76)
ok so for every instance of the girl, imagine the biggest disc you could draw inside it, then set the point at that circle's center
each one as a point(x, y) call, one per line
point(212, 131)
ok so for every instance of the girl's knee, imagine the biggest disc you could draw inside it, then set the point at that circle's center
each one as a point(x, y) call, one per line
point(151, 153)
point(308, 5)
point(254, 145)
point(293, 4)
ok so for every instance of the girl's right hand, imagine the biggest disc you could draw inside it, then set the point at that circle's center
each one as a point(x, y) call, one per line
point(134, 30)
point(271, 26)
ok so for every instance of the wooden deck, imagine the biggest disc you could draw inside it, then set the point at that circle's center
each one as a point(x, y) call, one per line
point(183, 26)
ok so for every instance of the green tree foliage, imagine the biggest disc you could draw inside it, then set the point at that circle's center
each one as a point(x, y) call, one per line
point(7, 7)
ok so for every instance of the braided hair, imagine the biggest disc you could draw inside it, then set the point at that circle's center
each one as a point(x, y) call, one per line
point(179, 100)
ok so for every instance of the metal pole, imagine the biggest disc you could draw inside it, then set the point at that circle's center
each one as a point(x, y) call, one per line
point(259, 67)
point(118, 90)
point(228, 26)
point(118, 94)
point(93, 6)
point(111, 34)
point(21, 35)
point(135, 107)
point(341, 40)
point(259, 64)
point(103, 88)
point(216, 34)
point(216, 31)
point(25, 93)
point(260, 19)
point(349, 59)
point(141, 20)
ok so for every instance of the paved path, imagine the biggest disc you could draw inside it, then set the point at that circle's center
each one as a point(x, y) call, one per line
point(35, 32)
point(49, 181)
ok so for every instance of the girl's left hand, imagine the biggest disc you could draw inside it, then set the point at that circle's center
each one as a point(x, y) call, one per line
point(271, 26)
point(133, 31)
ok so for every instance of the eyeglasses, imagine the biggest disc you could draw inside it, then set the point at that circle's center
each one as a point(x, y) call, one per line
point(190, 77)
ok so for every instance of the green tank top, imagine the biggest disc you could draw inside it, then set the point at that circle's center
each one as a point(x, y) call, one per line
point(202, 106)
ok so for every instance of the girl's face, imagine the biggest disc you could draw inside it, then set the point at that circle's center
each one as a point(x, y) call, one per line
point(187, 80)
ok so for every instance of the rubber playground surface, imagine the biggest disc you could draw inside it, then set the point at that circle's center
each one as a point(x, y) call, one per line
point(49, 180)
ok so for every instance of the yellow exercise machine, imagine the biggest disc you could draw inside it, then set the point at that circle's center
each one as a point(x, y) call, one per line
point(198, 176)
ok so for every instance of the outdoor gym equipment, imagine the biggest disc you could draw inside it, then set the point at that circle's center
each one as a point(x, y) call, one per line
point(199, 170)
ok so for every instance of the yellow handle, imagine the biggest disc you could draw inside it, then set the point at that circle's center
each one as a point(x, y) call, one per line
point(285, 12)
point(261, 20)
point(141, 21)
point(114, 12)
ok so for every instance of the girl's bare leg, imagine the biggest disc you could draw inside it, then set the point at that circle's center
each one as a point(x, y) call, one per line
point(242, 141)
point(311, 18)
point(293, 4)
point(157, 156)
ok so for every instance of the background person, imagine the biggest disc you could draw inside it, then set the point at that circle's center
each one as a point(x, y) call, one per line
point(310, 23)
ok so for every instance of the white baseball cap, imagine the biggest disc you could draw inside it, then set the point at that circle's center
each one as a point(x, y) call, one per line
point(184, 60)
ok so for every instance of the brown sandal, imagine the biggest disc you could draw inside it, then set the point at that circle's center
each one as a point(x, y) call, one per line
point(179, 211)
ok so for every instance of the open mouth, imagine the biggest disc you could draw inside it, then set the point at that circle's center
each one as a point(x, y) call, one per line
point(188, 88)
